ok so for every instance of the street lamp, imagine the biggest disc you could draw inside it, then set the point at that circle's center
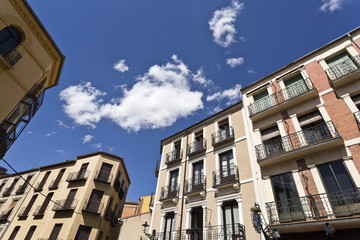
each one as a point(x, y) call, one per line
point(144, 227)
point(256, 220)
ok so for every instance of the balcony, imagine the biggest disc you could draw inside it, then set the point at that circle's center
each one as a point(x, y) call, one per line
point(7, 192)
point(193, 185)
point(313, 139)
point(92, 206)
point(10, 58)
point(23, 212)
point(320, 207)
point(222, 136)
point(103, 176)
point(54, 184)
point(17, 120)
point(344, 72)
point(221, 232)
point(281, 100)
point(49, 238)
point(65, 205)
point(39, 186)
point(78, 176)
point(169, 192)
point(21, 189)
point(357, 116)
point(225, 176)
point(197, 147)
point(174, 156)
point(4, 216)
point(39, 211)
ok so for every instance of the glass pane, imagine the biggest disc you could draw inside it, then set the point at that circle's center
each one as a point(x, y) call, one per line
point(341, 175)
point(328, 178)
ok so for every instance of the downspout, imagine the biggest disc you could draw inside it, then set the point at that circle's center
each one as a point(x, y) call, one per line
point(183, 188)
point(352, 40)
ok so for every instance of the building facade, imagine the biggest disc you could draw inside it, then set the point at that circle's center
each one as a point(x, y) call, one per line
point(206, 183)
point(78, 199)
point(304, 121)
point(30, 63)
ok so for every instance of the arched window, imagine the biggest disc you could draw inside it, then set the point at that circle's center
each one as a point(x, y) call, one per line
point(10, 38)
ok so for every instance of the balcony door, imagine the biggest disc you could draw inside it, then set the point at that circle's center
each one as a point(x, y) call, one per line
point(173, 182)
point(341, 64)
point(344, 197)
point(199, 141)
point(295, 86)
point(286, 198)
point(224, 130)
point(262, 101)
point(169, 226)
point(314, 127)
point(94, 201)
point(70, 199)
point(82, 171)
point(104, 172)
point(196, 224)
point(198, 174)
point(272, 140)
point(227, 167)
point(230, 220)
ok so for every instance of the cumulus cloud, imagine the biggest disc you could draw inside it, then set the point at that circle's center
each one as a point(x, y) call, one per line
point(158, 98)
point(50, 134)
point(200, 78)
point(121, 66)
point(62, 124)
point(234, 62)
point(222, 23)
point(232, 95)
point(251, 71)
point(87, 138)
point(332, 5)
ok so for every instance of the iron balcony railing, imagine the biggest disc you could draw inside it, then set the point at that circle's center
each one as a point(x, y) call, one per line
point(23, 212)
point(78, 176)
point(197, 146)
point(65, 205)
point(195, 184)
point(93, 206)
point(12, 57)
point(223, 135)
point(228, 174)
point(50, 239)
point(174, 156)
point(39, 211)
point(343, 68)
point(54, 184)
point(39, 186)
point(357, 116)
point(20, 116)
point(308, 137)
point(7, 191)
point(221, 232)
point(281, 96)
point(169, 191)
point(315, 207)
point(4, 215)
point(103, 176)
point(21, 189)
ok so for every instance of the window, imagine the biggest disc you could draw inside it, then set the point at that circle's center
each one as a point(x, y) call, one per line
point(295, 86)
point(173, 183)
point(227, 168)
point(10, 38)
point(199, 143)
point(70, 199)
point(230, 218)
point(272, 141)
point(28, 207)
point(177, 150)
point(82, 171)
point(286, 198)
point(356, 100)
point(55, 232)
point(340, 65)
point(45, 204)
point(94, 201)
point(43, 181)
point(261, 101)
point(100, 235)
point(169, 225)
point(83, 233)
point(55, 183)
point(197, 221)
point(2, 186)
point(198, 174)
point(14, 233)
point(10, 189)
point(104, 172)
point(314, 127)
point(30, 233)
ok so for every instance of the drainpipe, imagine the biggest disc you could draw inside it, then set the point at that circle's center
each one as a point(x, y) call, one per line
point(183, 187)
point(352, 40)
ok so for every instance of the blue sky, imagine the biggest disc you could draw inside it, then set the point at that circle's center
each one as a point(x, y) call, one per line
point(138, 71)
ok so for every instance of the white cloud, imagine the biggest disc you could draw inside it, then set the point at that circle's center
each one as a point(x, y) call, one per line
point(234, 62)
point(121, 66)
point(82, 104)
point(232, 95)
point(332, 5)
point(200, 78)
point(97, 145)
point(29, 132)
point(251, 71)
point(158, 98)
point(222, 23)
point(50, 134)
point(87, 138)
point(62, 124)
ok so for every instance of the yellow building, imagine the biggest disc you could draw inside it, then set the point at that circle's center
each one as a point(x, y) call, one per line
point(76, 199)
point(206, 182)
point(30, 63)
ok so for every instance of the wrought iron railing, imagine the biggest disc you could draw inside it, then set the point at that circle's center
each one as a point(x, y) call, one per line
point(281, 96)
point(93, 206)
point(310, 136)
point(24, 212)
point(20, 116)
point(343, 68)
point(39, 186)
point(221, 232)
point(21, 189)
point(174, 156)
point(49, 238)
point(4, 215)
point(39, 211)
point(12, 57)
point(169, 191)
point(78, 176)
point(222, 135)
point(357, 116)
point(54, 184)
point(195, 184)
point(315, 207)
point(103, 176)
point(197, 146)
point(65, 205)
point(7, 191)
point(228, 174)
